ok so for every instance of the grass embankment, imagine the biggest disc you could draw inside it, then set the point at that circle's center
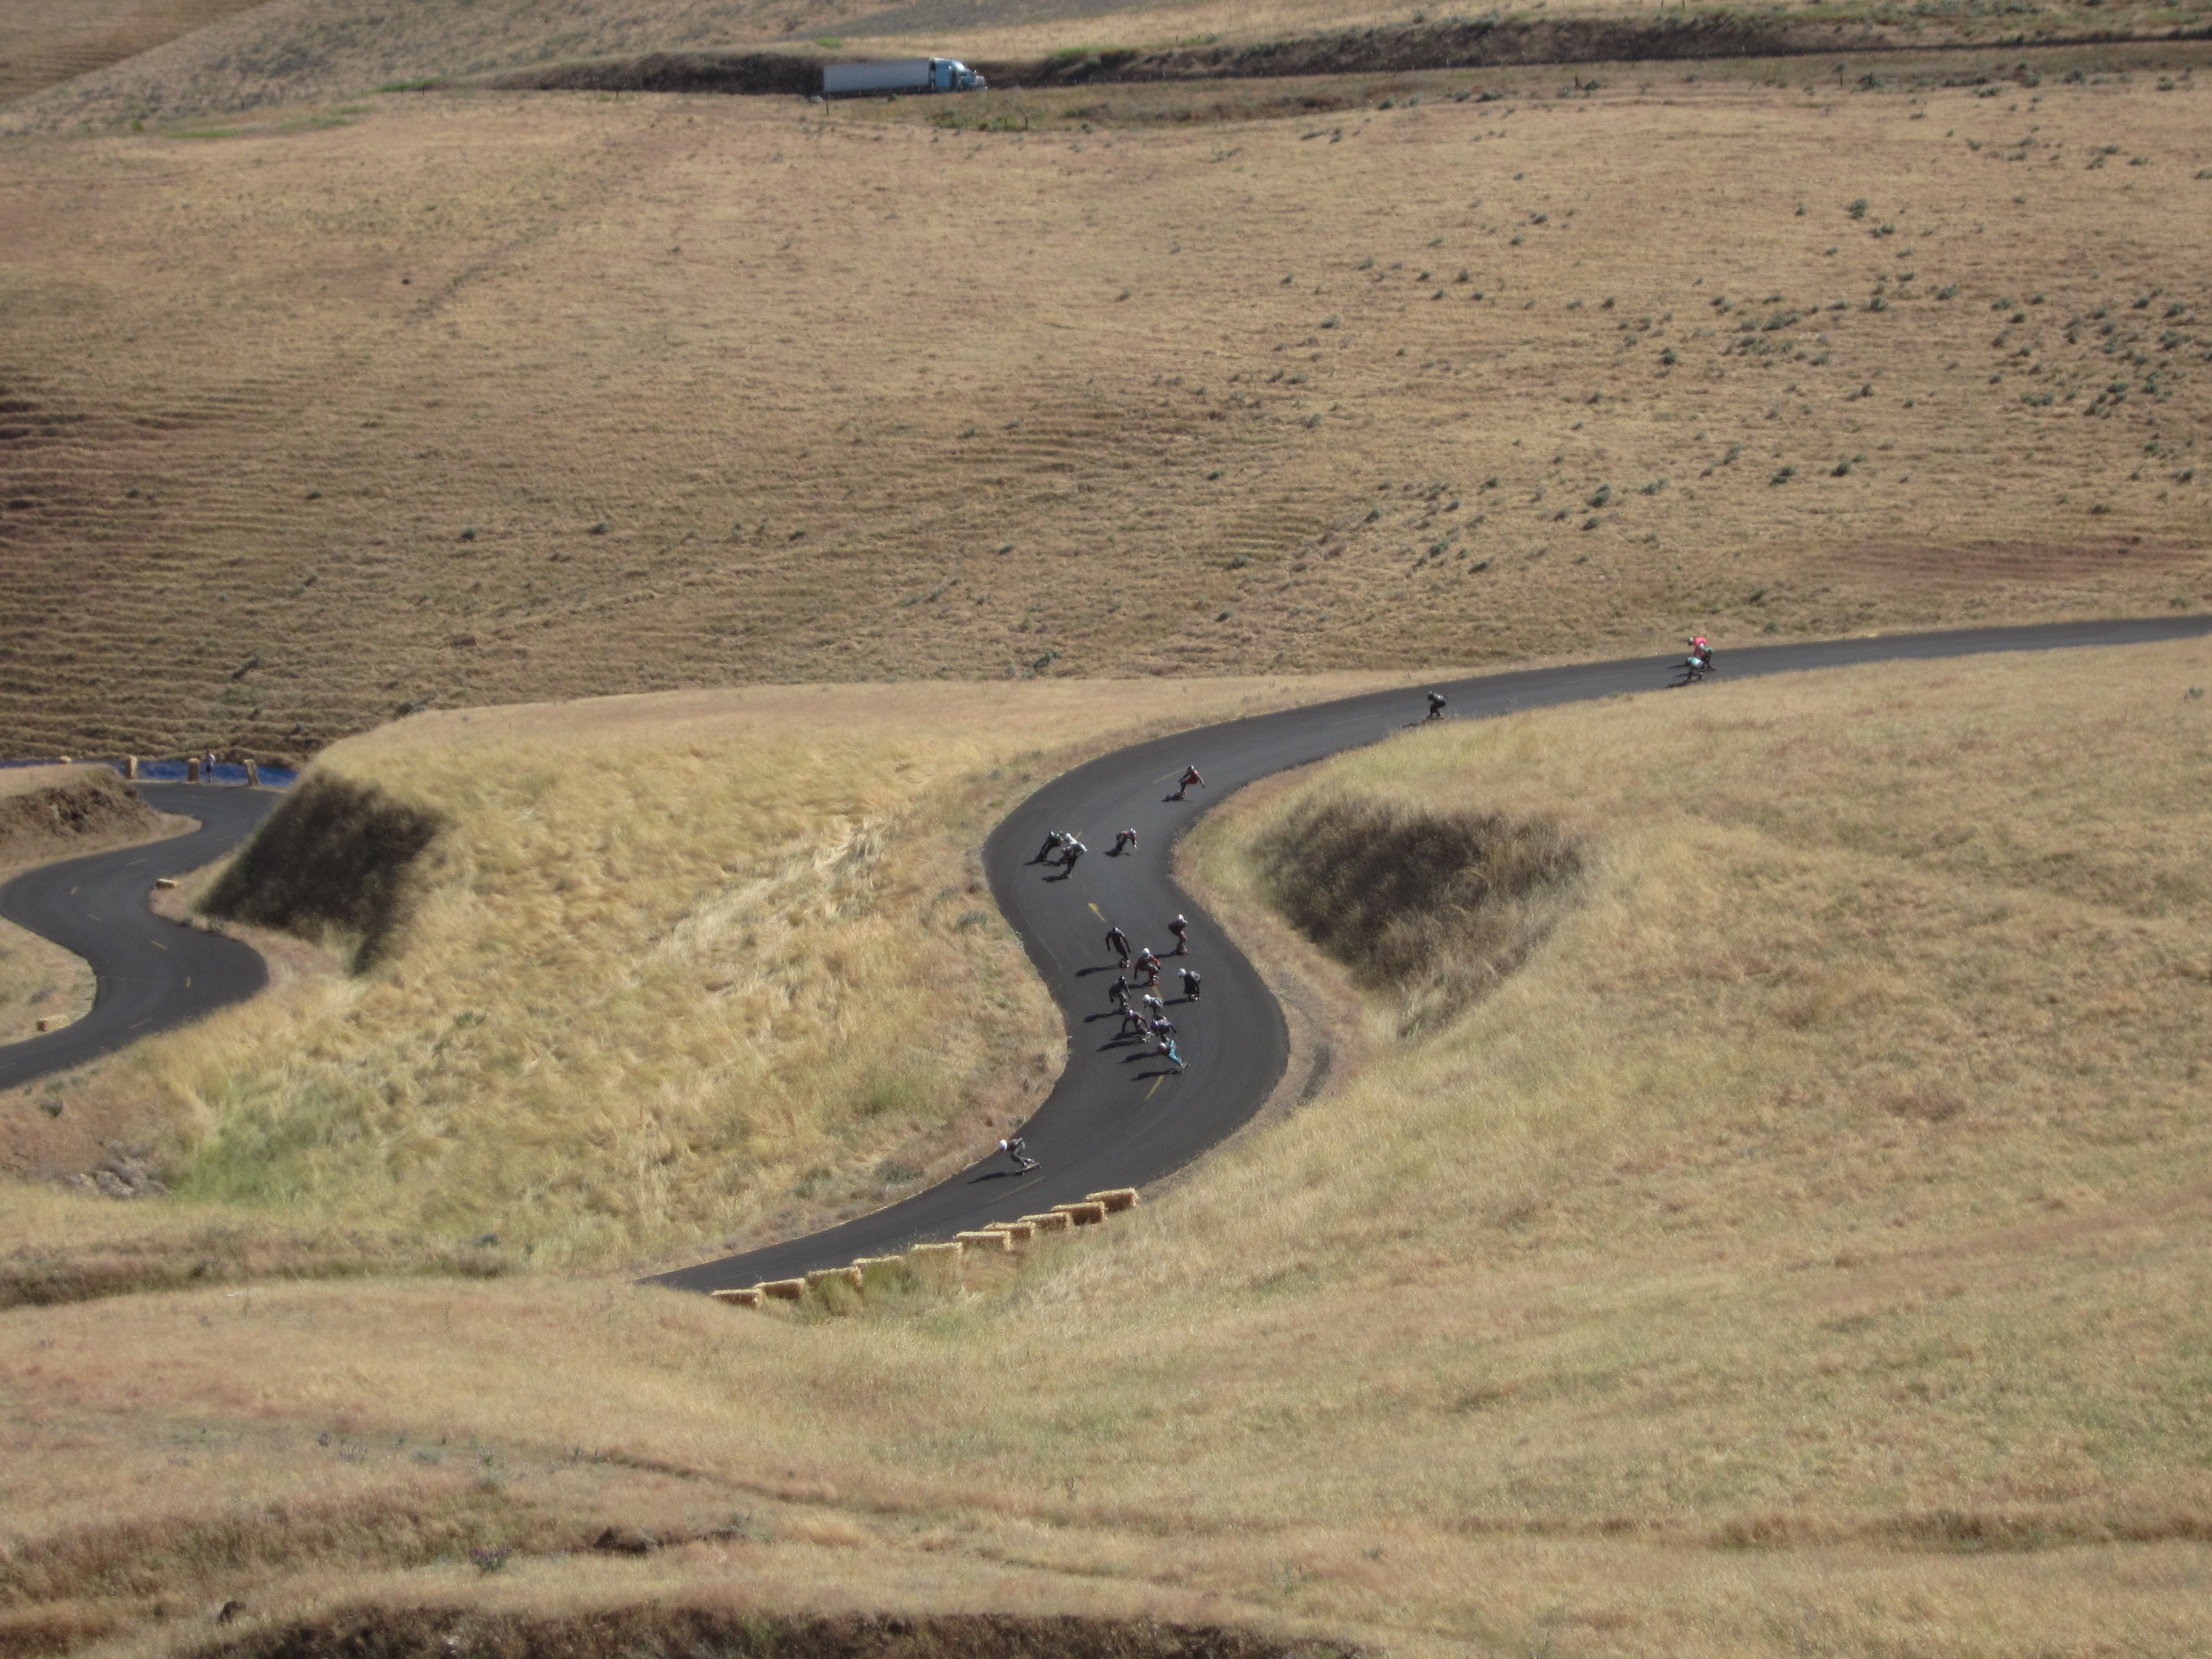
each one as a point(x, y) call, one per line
point(1804, 1248)
point(1207, 414)
point(651, 976)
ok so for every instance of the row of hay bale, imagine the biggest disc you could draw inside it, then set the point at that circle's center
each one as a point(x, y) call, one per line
point(930, 1265)
point(194, 766)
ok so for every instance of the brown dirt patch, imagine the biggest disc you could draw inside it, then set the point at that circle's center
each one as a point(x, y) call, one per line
point(2028, 564)
point(81, 811)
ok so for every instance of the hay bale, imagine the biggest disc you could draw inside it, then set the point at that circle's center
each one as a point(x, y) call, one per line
point(1115, 1199)
point(1087, 1214)
point(191, 771)
point(822, 1278)
point(883, 1273)
point(985, 1240)
point(1020, 1232)
point(1051, 1221)
point(165, 881)
point(130, 767)
point(784, 1290)
point(750, 1297)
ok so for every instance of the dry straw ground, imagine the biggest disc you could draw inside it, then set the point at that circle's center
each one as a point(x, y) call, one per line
point(44, 42)
point(453, 399)
point(1804, 1252)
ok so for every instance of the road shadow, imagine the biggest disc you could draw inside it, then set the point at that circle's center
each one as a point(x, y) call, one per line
point(1164, 1071)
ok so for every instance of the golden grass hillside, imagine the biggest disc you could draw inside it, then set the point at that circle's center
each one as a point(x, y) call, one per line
point(680, 972)
point(449, 400)
point(1803, 1251)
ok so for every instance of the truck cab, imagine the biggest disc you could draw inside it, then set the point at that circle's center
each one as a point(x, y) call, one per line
point(950, 75)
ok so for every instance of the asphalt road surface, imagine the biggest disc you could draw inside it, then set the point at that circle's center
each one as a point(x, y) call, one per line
point(1118, 1118)
point(152, 973)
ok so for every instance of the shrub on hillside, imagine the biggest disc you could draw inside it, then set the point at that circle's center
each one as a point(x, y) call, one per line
point(1438, 906)
point(333, 858)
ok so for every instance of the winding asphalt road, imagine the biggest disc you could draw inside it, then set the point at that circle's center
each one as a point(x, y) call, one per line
point(151, 974)
point(1117, 1118)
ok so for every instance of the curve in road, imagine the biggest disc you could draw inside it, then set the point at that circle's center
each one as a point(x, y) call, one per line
point(151, 974)
point(1117, 1119)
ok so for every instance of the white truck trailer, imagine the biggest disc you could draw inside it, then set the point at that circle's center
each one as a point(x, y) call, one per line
point(902, 74)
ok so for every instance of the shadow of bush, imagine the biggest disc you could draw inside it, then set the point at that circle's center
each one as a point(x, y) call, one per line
point(1437, 906)
point(333, 858)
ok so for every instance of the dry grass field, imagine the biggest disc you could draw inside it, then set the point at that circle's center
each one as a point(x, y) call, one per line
point(1803, 1252)
point(285, 51)
point(453, 399)
point(682, 971)
point(45, 42)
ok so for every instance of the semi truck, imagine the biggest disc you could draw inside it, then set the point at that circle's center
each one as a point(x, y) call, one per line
point(902, 74)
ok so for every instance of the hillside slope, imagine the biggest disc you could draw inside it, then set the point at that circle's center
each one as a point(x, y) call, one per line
point(45, 42)
point(501, 396)
point(288, 53)
point(1804, 1250)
